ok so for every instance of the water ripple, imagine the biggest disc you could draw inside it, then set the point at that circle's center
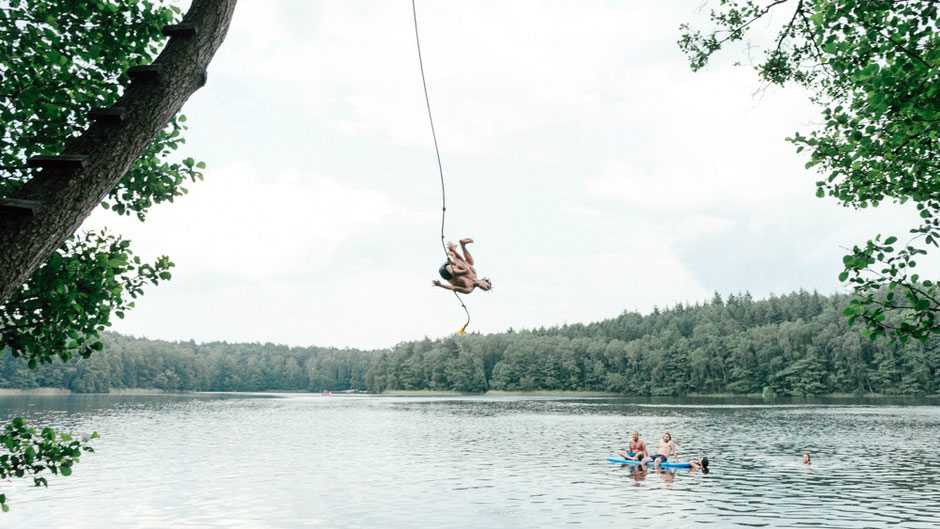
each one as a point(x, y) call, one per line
point(310, 461)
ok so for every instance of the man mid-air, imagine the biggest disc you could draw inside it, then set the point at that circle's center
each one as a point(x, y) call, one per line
point(459, 271)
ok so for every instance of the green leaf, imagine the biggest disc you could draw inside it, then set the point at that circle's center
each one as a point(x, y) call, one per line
point(876, 138)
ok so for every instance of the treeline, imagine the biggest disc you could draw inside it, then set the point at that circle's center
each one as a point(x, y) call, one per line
point(798, 344)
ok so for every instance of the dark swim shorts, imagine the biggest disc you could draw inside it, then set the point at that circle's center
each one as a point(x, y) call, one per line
point(660, 456)
point(444, 273)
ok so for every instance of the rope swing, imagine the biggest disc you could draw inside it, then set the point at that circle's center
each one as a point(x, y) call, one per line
point(440, 168)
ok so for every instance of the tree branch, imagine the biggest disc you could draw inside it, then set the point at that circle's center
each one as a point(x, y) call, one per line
point(69, 196)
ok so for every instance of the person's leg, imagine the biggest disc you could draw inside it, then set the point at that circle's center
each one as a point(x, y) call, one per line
point(458, 263)
point(466, 257)
point(466, 254)
point(462, 267)
point(625, 455)
point(452, 252)
point(656, 461)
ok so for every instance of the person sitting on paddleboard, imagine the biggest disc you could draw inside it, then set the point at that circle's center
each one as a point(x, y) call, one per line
point(666, 447)
point(458, 271)
point(637, 447)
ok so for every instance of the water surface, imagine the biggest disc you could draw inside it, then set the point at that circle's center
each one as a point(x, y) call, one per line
point(352, 461)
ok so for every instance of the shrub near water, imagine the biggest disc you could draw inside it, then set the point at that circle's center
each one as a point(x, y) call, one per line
point(29, 454)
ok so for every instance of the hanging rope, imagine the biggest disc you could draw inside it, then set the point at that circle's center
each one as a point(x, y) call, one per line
point(440, 167)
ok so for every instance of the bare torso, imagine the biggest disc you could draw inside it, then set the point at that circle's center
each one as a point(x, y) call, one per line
point(462, 282)
point(666, 448)
point(637, 446)
point(463, 274)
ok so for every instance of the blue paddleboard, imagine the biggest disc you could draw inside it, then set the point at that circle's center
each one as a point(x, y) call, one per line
point(620, 461)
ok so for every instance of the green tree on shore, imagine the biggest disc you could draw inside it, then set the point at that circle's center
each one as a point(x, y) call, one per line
point(798, 344)
point(873, 68)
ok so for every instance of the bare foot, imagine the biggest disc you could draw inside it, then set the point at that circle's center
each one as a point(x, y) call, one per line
point(451, 246)
point(467, 240)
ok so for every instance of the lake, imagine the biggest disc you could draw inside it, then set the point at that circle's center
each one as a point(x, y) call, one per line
point(285, 461)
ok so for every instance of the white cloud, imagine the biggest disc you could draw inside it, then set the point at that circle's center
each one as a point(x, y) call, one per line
point(245, 226)
point(256, 255)
point(596, 172)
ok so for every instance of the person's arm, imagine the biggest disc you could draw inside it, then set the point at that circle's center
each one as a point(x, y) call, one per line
point(675, 451)
point(462, 290)
point(442, 285)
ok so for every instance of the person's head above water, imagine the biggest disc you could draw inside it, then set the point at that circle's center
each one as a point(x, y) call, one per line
point(806, 459)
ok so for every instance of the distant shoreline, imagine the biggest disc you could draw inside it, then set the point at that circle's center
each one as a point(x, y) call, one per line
point(495, 393)
point(823, 395)
point(8, 392)
point(390, 393)
point(563, 393)
point(14, 392)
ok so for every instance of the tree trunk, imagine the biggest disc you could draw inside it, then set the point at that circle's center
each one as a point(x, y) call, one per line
point(67, 196)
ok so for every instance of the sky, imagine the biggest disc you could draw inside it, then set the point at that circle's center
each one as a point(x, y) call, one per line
point(595, 172)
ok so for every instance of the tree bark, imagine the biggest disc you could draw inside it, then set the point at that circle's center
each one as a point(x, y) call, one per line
point(68, 196)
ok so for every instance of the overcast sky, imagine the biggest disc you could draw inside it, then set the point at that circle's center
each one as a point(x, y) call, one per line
point(595, 171)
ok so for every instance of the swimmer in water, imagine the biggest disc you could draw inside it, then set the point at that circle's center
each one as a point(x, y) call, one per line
point(806, 459)
point(700, 464)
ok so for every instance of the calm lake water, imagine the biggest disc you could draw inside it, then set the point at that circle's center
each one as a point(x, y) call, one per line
point(244, 461)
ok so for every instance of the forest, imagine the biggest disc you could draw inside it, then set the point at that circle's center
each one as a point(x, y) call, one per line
point(796, 344)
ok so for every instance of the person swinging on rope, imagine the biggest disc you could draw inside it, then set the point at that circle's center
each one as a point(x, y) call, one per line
point(458, 271)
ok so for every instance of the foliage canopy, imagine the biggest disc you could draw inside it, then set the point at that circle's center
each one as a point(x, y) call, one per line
point(58, 60)
point(798, 344)
point(873, 68)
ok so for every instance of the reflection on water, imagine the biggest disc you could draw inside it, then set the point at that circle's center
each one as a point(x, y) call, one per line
point(312, 461)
